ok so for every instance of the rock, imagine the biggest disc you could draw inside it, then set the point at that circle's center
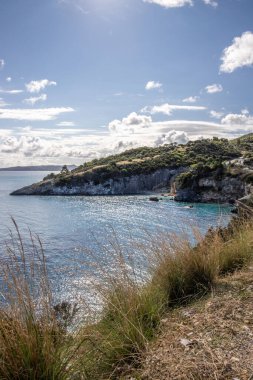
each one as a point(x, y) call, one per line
point(186, 342)
point(154, 199)
point(76, 184)
point(210, 190)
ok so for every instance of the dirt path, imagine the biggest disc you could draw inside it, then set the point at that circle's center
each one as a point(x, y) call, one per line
point(212, 339)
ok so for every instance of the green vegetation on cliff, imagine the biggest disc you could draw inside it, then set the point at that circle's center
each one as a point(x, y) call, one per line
point(210, 154)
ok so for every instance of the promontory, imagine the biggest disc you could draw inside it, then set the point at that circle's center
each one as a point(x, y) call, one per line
point(205, 170)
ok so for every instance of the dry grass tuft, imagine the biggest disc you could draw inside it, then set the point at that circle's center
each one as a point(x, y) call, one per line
point(34, 338)
point(33, 344)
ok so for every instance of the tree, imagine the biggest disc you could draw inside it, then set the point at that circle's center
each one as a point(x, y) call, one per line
point(64, 170)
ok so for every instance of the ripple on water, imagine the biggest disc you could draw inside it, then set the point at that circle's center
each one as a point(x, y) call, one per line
point(67, 224)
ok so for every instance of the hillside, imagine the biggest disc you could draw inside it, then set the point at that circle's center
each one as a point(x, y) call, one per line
point(149, 169)
point(210, 339)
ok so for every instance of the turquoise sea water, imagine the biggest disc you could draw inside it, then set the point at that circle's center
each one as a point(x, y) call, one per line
point(68, 224)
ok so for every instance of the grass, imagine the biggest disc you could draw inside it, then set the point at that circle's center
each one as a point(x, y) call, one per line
point(34, 339)
point(33, 344)
point(218, 336)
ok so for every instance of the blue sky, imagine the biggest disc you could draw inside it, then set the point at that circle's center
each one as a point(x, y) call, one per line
point(84, 78)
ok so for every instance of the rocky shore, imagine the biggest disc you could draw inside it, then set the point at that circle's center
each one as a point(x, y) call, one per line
point(137, 184)
point(211, 170)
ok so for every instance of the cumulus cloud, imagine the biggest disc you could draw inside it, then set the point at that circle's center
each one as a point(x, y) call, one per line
point(36, 86)
point(170, 3)
point(8, 79)
point(10, 145)
point(239, 54)
point(41, 114)
point(191, 99)
point(237, 119)
point(179, 137)
point(214, 88)
point(152, 85)
point(167, 109)
point(2, 63)
point(33, 146)
point(27, 145)
point(33, 100)
point(213, 3)
point(130, 123)
point(216, 115)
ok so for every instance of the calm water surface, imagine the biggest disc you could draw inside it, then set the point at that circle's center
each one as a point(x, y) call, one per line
point(67, 224)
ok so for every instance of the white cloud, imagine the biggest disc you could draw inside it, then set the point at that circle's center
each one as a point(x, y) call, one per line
point(151, 85)
point(11, 92)
point(36, 86)
point(8, 79)
point(130, 123)
point(179, 137)
point(239, 54)
point(28, 146)
point(10, 145)
point(213, 3)
point(2, 63)
point(191, 99)
point(41, 114)
point(167, 109)
point(33, 100)
point(237, 119)
point(214, 88)
point(245, 111)
point(66, 124)
point(216, 115)
point(170, 3)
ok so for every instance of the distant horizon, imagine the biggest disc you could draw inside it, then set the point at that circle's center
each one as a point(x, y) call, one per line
point(42, 167)
point(84, 79)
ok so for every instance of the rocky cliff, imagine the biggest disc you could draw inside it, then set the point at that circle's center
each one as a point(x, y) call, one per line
point(135, 184)
point(210, 190)
point(210, 170)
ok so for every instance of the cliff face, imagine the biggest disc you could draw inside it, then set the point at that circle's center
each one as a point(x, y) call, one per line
point(136, 184)
point(210, 170)
point(226, 189)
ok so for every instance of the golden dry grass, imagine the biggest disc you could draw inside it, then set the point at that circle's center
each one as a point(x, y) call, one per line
point(35, 343)
point(211, 339)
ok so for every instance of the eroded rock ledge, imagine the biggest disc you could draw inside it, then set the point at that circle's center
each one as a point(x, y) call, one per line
point(137, 184)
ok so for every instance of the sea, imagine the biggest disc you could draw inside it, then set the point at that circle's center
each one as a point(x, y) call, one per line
point(77, 231)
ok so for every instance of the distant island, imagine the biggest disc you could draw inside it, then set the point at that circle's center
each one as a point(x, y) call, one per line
point(205, 170)
point(45, 168)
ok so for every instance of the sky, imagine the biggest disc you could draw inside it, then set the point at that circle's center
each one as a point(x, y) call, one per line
point(80, 79)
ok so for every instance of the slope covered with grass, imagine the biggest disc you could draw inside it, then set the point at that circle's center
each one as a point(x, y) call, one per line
point(38, 340)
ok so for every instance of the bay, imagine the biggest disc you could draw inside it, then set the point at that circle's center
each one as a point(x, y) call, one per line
point(70, 226)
